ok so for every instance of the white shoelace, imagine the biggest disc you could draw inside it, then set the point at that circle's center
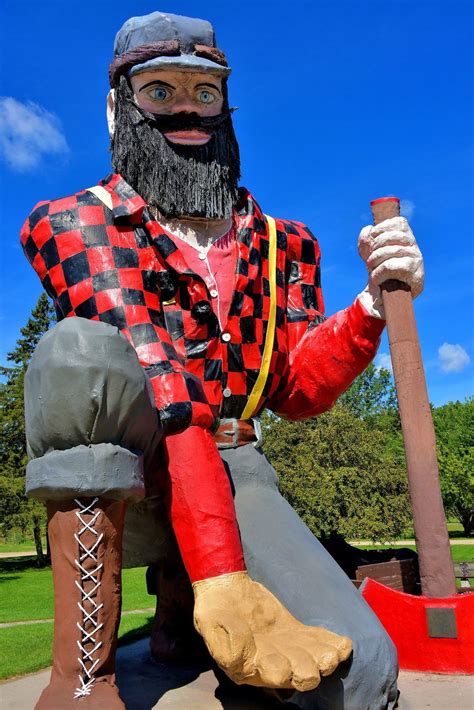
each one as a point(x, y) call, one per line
point(88, 606)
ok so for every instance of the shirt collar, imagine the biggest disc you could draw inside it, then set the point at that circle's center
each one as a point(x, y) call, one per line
point(248, 213)
point(126, 203)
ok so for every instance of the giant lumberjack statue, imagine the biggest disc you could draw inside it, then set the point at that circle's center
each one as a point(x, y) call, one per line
point(184, 311)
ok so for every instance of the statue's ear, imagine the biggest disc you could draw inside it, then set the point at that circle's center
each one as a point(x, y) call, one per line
point(111, 112)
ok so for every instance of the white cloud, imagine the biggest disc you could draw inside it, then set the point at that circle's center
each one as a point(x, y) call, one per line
point(27, 133)
point(453, 358)
point(383, 361)
point(407, 208)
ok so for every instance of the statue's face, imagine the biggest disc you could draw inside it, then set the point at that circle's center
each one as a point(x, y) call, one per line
point(174, 143)
point(169, 92)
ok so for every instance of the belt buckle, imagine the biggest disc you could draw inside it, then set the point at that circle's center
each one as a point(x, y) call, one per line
point(233, 443)
point(258, 432)
point(235, 433)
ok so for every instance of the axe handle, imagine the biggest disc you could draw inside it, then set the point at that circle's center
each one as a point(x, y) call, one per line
point(432, 540)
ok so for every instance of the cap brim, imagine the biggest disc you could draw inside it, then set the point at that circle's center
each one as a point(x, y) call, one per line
point(183, 62)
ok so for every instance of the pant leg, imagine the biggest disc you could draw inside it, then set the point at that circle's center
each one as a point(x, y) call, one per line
point(283, 554)
point(90, 421)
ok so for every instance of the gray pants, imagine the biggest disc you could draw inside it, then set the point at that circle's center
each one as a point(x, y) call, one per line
point(92, 431)
point(283, 554)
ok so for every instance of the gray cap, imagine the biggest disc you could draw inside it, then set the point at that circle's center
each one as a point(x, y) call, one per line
point(182, 43)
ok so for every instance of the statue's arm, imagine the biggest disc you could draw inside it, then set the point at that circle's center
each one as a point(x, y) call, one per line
point(325, 355)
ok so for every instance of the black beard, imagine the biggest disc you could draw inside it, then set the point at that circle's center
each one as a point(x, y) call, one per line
point(177, 180)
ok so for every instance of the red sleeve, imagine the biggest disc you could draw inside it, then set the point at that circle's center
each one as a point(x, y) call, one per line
point(325, 355)
point(201, 506)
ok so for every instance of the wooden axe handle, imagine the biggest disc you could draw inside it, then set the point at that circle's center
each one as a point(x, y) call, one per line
point(432, 540)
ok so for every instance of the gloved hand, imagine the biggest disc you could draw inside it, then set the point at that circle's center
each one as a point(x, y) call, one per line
point(389, 251)
point(255, 639)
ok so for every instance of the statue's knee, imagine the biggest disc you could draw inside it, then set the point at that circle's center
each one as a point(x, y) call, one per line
point(85, 389)
point(102, 470)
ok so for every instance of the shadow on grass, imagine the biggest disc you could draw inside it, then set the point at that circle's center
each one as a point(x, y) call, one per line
point(10, 578)
point(136, 633)
point(20, 564)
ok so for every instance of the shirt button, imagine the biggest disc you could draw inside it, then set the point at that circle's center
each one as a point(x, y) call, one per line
point(214, 293)
point(202, 256)
point(227, 392)
point(226, 337)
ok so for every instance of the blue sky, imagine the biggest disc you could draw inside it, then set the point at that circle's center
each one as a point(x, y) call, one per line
point(339, 103)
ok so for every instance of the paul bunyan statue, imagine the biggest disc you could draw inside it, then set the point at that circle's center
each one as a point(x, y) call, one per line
point(183, 312)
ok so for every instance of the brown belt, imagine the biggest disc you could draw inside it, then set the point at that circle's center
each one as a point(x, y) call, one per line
point(232, 433)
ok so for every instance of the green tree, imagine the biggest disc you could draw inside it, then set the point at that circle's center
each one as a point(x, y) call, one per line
point(340, 475)
point(371, 394)
point(16, 511)
point(454, 425)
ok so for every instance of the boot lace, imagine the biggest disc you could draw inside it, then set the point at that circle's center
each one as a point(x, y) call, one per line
point(87, 563)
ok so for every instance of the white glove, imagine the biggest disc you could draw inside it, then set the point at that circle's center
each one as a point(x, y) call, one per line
point(389, 251)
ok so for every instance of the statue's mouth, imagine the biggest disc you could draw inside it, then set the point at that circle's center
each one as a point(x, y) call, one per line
point(188, 137)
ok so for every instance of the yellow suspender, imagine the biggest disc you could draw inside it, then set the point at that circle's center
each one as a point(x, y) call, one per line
point(257, 390)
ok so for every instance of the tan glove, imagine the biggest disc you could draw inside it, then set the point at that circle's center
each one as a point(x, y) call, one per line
point(256, 640)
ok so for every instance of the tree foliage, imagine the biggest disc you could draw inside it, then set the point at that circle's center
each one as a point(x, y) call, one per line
point(371, 395)
point(16, 511)
point(372, 398)
point(454, 425)
point(340, 475)
point(344, 472)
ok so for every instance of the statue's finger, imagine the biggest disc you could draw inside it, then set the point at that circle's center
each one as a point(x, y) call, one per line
point(305, 672)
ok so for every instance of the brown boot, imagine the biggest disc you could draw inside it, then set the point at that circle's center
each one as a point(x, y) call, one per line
point(173, 637)
point(86, 548)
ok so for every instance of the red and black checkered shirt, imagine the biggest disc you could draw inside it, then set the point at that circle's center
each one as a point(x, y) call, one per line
point(119, 266)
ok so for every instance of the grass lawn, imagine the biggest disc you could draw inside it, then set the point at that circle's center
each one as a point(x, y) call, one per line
point(455, 531)
point(25, 649)
point(462, 553)
point(26, 592)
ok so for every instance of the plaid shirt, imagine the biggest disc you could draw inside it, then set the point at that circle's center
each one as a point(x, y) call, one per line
point(119, 266)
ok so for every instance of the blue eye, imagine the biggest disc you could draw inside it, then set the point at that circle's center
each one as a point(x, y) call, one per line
point(206, 97)
point(159, 93)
